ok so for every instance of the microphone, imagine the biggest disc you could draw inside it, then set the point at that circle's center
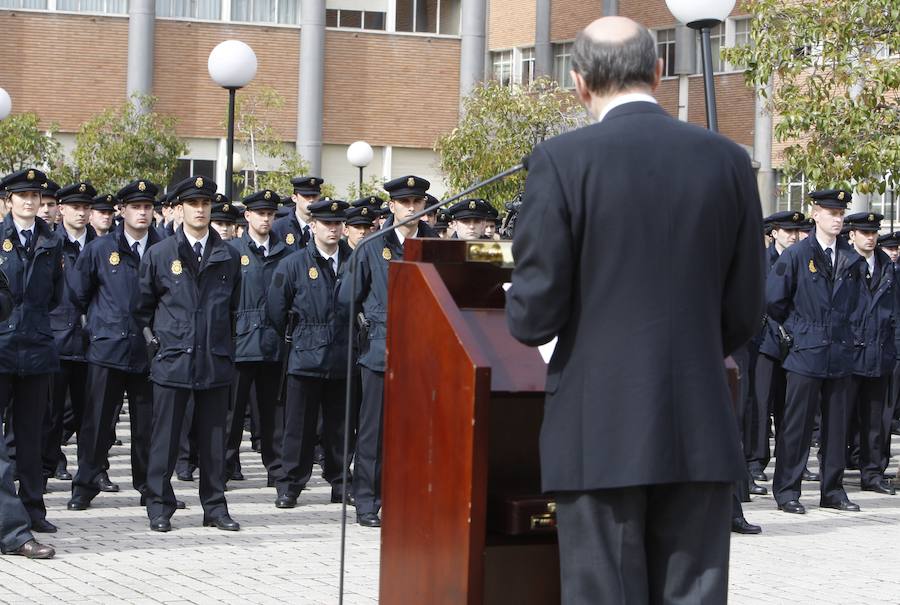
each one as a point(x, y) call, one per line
point(351, 271)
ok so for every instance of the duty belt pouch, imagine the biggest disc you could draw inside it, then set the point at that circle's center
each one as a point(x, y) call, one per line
point(785, 342)
point(521, 515)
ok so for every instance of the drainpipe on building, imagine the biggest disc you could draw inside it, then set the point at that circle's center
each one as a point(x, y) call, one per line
point(472, 46)
point(311, 95)
point(610, 7)
point(762, 150)
point(141, 21)
point(543, 49)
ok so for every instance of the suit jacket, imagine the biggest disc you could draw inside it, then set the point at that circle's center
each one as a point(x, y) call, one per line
point(873, 321)
point(638, 246)
point(65, 319)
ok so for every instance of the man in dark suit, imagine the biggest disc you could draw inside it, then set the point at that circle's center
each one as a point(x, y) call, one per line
point(639, 442)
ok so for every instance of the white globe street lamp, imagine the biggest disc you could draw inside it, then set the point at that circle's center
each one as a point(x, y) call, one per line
point(360, 154)
point(5, 104)
point(232, 65)
point(703, 15)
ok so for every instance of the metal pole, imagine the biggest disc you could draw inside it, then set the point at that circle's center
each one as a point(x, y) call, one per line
point(893, 199)
point(360, 181)
point(229, 159)
point(709, 85)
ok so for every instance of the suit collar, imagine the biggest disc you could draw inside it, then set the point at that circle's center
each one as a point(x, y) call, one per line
point(637, 107)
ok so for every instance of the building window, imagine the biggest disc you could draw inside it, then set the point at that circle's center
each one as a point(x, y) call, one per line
point(354, 19)
point(249, 182)
point(189, 167)
point(716, 42)
point(665, 50)
point(189, 9)
point(112, 7)
point(526, 66)
point(793, 193)
point(428, 16)
point(741, 38)
point(562, 64)
point(502, 62)
point(266, 11)
point(887, 204)
point(33, 4)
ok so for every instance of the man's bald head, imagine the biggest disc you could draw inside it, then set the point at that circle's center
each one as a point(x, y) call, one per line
point(615, 54)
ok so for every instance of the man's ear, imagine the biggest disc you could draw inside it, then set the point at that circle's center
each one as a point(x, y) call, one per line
point(657, 76)
point(581, 89)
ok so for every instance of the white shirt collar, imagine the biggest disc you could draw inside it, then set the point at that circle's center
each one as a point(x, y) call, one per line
point(20, 227)
point(81, 240)
point(403, 239)
point(631, 97)
point(331, 257)
point(871, 262)
point(142, 243)
point(258, 243)
point(192, 241)
point(824, 247)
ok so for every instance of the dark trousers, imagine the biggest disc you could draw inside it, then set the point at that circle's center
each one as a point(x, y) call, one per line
point(69, 381)
point(866, 426)
point(890, 411)
point(210, 415)
point(306, 396)
point(28, 396)
point(187, 442)
point(367, 466)
point(106, 389)
point(770, 385)
point(804, 396)
point(646, 544)
point(265, 378)
point(15, 524)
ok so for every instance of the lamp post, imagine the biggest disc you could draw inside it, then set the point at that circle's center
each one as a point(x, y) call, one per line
point(232, 65)
point(360, 155)
point(5, 104)
point(703, 15)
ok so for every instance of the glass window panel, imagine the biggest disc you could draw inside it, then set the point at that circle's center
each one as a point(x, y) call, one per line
point(240, 11)
point(562, 64)
point(716, 42)
point(426, 16)
point(405, 11)
point(350, 18)
point(527, 66)
point(374, 20)
point(208, 9)
point(450, 16)
point(331, 17)
point(182, 171)
point(287, 11)
point(264, 10)
point(205, 168)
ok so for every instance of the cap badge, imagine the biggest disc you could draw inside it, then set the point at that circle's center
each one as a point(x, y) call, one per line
point(7, 245)
point(290, 239)
point(45, 184)
point(410, 182)
point(109, 199)
point(199, 181)
point(386, 253)
point(268, 195)
point(225, 208)
point(313, 273)
point(796, 217)
point(176, 267)
point(365, 211)
point(812, 267)
point(312, 181)
point(142, 186)
point(871, 217)
point(82, 188)
point(114, 258)
point(334, 207)
point(841, 196)
point(245, 260)
point(30, 175)
point(472, 205)
point(372, 200)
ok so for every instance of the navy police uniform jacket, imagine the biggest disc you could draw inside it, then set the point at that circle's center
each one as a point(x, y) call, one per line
point(371, 291)
point(873, 320)
point(768, 337)
point(190, 308)
point(288, 229)
point(104, 286)
point(816, 307)
point(36, 285)
point(254, 337)
point(6, 299)
point(65, 319)
point(305, 285)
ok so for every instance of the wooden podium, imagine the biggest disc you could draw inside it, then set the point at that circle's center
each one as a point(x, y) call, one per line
point(462, 413)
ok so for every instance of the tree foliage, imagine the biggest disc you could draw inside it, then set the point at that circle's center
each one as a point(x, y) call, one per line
point(836, 83)
point(125, 143)
point(499, 126)
point(23, 144)
point(371, 186)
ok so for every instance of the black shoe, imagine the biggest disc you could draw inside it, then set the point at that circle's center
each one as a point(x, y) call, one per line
point(336, 498)
point(105, 485)
point(844, 505)
point(759, 476)
point(368, 519)
point(757, 490)
point(882, 487)
point(235, 476)
point(810, 476)
point(792, 506)
point(161, 524)
point(739, 525)
point(42, 526)
point(75, 504)
point(34, 550)
point(224, 522)
point(286, 501)
point(62, 474)
point(184, 476)
point(117, 442)
point(254, 445)
point(815, 443)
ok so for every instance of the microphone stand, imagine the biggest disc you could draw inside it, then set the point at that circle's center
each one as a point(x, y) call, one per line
point(351, 314)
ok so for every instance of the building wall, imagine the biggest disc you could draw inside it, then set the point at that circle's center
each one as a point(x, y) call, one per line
point(510, 23)
point(568, 17)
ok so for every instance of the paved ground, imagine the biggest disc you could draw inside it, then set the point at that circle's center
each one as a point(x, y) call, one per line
point(108, 555)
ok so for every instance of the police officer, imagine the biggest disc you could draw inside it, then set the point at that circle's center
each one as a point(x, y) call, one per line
point(258, 350)
point(812, 291)
point(769, 378)
point(223, 217)
point(15, 535)
point(104, 286)
point(306, 286)
point(65, 320)
point(49, 209)
point(890, 243)
point(293, 229)
point(468, 218)
point(442, 223)
point(874, 353)
point(102, 210)
point(31, 258)
point(190, 288)
point(371, 290)
point(360, 220)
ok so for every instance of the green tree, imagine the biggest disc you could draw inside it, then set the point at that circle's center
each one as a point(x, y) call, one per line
point(836, 86)
point(122, 144)
point(371, 186)
point(499, 126)
point(24, 144)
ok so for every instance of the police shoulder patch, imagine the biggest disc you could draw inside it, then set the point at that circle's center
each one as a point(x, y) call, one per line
point(114, 258)
point(7, 245)
point(313, 273)
point(176, 267)
point(245, 260)
point(386, 253)
point(812, 267)
point(289, 239)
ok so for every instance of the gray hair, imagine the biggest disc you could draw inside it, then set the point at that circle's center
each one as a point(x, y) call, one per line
point(609, 67)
